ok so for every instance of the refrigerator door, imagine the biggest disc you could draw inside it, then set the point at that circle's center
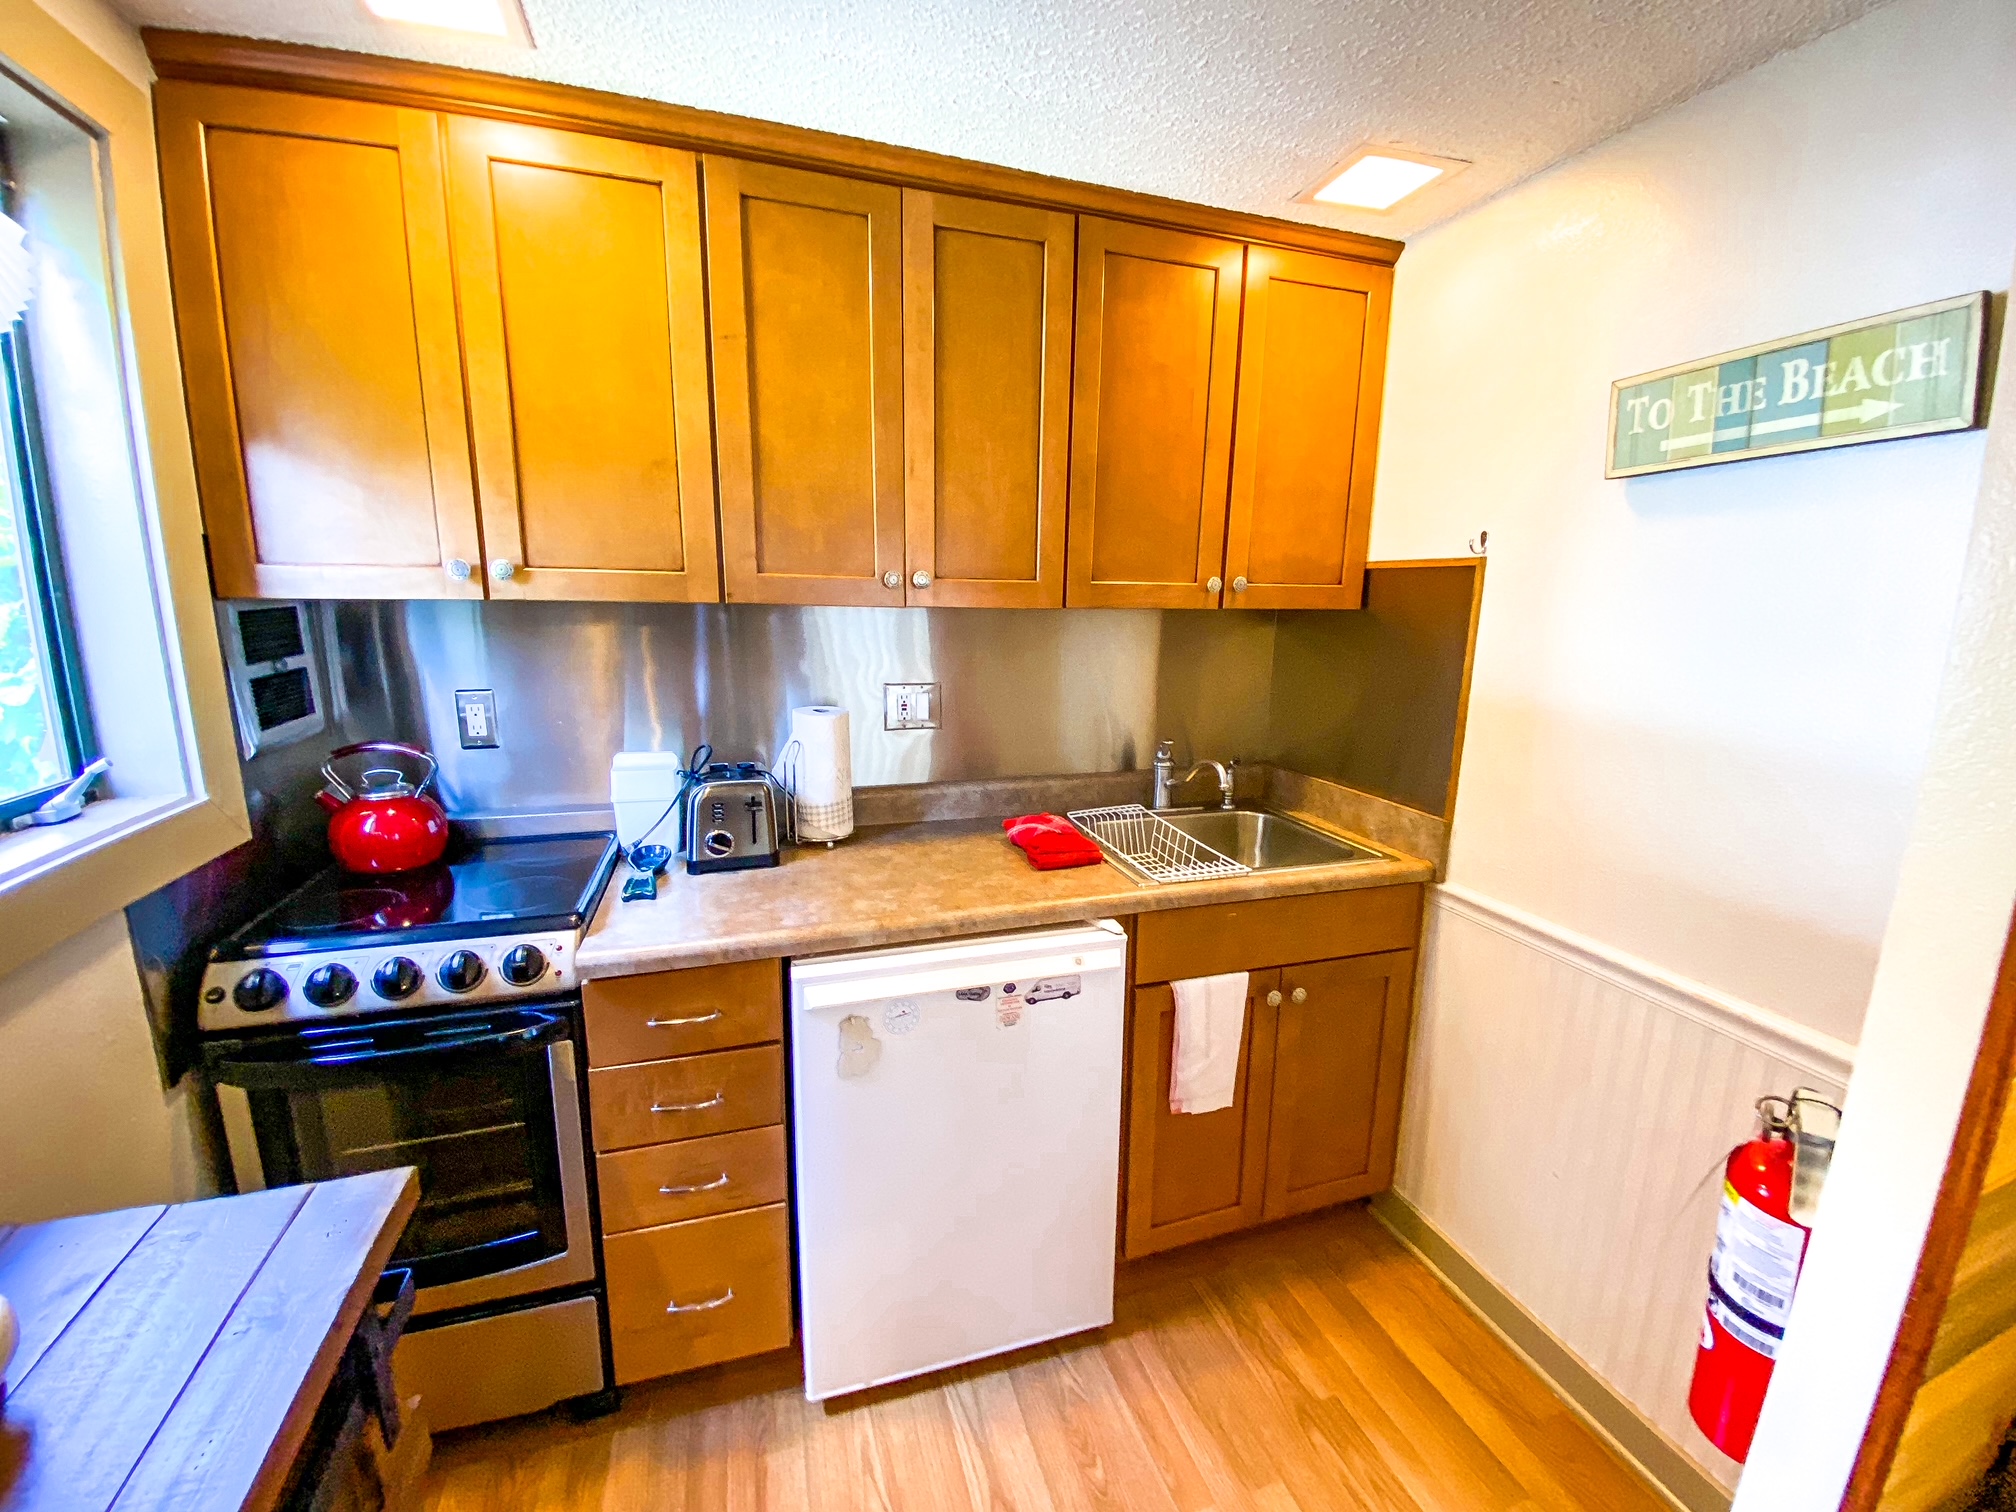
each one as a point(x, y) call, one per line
point(957, 1131)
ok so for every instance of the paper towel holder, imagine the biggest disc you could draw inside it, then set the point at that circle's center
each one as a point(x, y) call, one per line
point(786, 773)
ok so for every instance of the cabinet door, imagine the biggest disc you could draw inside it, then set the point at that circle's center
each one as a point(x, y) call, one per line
point(1151, 416)
point(804, 291)
point(1339, 1059)
point(308, 240)
point(1312, 361)
point(578, 262)
point(986, 391)
point(1192, 1176)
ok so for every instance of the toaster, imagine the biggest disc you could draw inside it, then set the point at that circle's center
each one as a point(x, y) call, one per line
point(731, 818)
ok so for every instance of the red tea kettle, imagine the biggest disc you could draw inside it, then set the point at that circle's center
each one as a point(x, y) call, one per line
point(388, 824)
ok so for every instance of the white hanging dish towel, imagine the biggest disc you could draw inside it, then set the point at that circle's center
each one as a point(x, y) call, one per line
point(1204, 1062)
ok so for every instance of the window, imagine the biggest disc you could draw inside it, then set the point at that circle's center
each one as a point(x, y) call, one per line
point(45, 735)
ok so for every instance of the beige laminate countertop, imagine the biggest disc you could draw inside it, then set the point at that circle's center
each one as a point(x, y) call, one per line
point(902, 882)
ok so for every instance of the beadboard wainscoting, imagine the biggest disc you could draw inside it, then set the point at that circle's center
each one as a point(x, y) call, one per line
point(1568, 1107)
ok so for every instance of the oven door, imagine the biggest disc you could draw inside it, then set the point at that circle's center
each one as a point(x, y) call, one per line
point(485, 1104)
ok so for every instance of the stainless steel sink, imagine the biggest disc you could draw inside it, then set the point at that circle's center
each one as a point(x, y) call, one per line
point(1264, 841)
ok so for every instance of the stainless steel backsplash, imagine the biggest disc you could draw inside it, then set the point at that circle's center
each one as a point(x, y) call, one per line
point(1023, 693)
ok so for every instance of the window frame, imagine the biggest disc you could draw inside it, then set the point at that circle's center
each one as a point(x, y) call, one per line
point(42, 545)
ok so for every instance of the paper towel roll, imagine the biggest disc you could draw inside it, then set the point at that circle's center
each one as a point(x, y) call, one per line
point(825, 773)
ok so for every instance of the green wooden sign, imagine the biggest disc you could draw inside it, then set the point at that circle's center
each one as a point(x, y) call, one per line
point(1909, 373)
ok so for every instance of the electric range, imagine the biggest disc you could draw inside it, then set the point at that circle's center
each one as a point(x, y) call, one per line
point(497, 921)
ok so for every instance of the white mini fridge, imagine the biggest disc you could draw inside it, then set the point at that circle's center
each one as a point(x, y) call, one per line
point(956, 1117)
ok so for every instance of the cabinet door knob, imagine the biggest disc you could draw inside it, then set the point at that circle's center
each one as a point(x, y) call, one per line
point(920, 579)
point(1299, 995)
point(503, 569)
point(1274, 998)
point(1212, 585)
point(458, 569)
point(892, 580)
point(1238, 585)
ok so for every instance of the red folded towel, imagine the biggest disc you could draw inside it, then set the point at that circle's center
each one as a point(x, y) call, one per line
point(1051, 842)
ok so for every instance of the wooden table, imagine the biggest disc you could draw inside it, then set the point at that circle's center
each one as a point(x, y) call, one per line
point(174, 1357)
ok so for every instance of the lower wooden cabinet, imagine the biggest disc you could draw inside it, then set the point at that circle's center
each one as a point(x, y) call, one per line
point(1316, 1115)
point(697, 1293)
point(686, 1099)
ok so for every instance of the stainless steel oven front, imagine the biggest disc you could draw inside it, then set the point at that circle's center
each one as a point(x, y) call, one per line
point(486, 1105)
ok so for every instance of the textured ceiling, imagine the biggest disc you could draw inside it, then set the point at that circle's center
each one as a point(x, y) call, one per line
point(1239, 105)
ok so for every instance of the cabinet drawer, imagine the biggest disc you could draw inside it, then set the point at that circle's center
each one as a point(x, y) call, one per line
point(696, 1293)
point(683, 1099)
point(1192, 942)
point(694, 1178)
point(668, 1013)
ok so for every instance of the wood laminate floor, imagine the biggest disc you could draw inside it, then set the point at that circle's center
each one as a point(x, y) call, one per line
point(1312, 1365)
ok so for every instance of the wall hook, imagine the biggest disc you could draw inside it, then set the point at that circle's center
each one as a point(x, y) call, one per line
point(1480, 543)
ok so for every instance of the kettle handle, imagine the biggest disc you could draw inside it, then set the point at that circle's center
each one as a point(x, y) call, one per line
point(390, 747)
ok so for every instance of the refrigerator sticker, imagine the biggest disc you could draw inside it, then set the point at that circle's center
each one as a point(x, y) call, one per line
point(973, 994)
point(1008, 1013)
point(859, 1049)
point(900, 1016)
point(1053, 989)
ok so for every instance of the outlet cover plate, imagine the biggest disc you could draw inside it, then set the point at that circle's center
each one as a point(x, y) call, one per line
point(476, 718)
point(910, 706)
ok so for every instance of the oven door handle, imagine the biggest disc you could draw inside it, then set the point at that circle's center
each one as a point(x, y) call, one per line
point(535, 1032)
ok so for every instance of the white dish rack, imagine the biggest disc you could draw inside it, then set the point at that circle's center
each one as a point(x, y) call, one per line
point(1150, 846)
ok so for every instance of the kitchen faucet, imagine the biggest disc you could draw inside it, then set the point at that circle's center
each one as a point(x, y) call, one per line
point(1167, 782)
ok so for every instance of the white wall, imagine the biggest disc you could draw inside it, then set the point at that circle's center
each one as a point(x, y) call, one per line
point(1703, 701)
point(84, 1124)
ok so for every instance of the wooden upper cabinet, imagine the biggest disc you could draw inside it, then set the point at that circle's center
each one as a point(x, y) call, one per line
point(1151, 435)
point(1312, 359)
point(986, 384)
point(1339, 1061)
point(805, 293)
point(309, 244)
point(584, 333)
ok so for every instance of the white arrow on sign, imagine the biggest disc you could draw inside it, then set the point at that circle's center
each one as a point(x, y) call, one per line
point(1863, 413)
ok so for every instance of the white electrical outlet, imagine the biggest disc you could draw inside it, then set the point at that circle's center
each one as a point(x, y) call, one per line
point(909, 706)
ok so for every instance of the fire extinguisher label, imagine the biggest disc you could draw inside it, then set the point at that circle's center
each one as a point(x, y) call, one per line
point(1753, 1273)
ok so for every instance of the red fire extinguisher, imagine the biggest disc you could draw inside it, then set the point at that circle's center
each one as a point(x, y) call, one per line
point(1769, 1189)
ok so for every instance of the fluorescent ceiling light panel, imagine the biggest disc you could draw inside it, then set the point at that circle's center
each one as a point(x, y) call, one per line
point(1378, 178)
point(486, 18)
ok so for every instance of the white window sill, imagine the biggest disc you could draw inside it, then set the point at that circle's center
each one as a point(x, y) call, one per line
point(57, 879)
point(30, 853)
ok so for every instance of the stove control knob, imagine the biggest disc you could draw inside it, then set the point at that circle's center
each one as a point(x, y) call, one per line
point(396, 979)
point(461, 972)
point(522, 965)
point(260, 990)
point(330, 986)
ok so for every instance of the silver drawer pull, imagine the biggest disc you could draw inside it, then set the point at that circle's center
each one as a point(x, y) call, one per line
point(713, 1102)
point(698, 1018)
point(708, 1306)
point(687, 1191)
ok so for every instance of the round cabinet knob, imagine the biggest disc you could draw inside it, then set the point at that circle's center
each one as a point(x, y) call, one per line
point(1274, 998)
point(260, 990)
point(1238, 585)
point(1212, 585)
point(920, 579)
point(522, 965)
point(892, 580)
point(462, 972)
point(503, 570)
point(330, 986)
point(458, 570)
point(1299, 995)
point(397, 978)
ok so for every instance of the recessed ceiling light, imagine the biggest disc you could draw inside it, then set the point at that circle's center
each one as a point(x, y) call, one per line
point(502, 19)
point(1378, 178)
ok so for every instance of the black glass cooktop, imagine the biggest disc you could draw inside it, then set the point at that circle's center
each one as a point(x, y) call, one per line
point(494, 887)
